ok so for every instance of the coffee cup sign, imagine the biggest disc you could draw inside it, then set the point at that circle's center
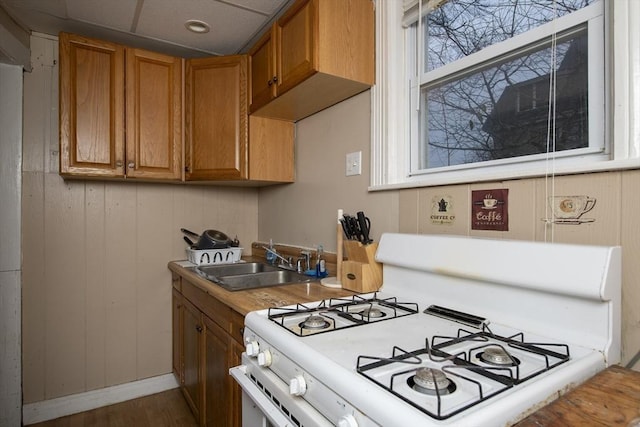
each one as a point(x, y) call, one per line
point(571, 207)
point(489, 210)
point(490, 202)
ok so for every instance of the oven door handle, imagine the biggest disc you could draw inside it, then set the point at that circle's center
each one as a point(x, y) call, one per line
point(267, 407)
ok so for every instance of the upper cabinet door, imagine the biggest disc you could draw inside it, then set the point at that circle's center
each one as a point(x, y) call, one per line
point(91, 107)
point(262, 59)
point(216, 121)
point(296, 45)
point(154, 115)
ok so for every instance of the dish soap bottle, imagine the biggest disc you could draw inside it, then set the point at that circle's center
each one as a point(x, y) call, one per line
point(321, 269)
point(271, 253)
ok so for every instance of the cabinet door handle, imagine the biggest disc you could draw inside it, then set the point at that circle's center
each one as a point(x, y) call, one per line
point(199, 328)
point(118, 163)
point(275, 79)
point(270, 82)
point(131, 165)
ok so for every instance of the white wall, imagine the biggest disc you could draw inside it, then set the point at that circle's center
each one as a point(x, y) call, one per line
point(10, 294)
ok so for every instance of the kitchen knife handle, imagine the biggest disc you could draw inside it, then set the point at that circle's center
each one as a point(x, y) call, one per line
point(365, 227)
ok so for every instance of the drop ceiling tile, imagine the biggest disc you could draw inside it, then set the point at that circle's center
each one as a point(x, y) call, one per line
point(51, 7)
point(116, 14)
point(268, 7)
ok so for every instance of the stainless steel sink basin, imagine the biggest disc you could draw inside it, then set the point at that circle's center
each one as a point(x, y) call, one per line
point(235, 269)
point(250, 275)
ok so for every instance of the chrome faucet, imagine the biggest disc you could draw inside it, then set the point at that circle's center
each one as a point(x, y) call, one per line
point(304, 262)
point(286, 263)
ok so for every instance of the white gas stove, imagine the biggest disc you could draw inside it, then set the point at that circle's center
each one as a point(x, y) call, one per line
point(463, 332)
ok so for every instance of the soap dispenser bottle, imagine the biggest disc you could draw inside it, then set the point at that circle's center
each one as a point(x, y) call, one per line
point(271, 253)
point(321, 269)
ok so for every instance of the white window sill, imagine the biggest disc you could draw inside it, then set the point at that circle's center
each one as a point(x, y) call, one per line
point(498, 174)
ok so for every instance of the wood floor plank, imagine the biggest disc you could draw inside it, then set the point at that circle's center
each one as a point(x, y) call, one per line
point(166, 409)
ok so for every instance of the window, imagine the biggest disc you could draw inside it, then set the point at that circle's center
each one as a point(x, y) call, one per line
point(503, 88)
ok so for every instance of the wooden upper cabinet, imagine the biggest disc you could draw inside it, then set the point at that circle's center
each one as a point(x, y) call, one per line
point(154, 115)
point(323, 52)
point(120, 111)
point(216, 126)
point(121, 116)
point(222, 142)
point(91, 107)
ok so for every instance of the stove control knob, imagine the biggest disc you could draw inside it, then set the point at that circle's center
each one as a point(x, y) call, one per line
point(253, 348)
point(264, 358)
point(347, 421)
point(297, 386)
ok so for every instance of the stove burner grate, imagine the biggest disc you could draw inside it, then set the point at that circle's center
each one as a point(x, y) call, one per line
point(460, 369)
point(463, 365)
point(354, 311)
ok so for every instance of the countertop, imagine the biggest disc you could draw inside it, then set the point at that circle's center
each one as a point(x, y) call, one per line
point(256, 299)
point(610, 398)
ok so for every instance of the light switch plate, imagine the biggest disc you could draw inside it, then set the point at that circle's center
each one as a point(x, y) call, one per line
point(354, 163)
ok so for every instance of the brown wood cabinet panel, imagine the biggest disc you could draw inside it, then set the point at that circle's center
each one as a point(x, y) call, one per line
point(91, 94)
point(211, 307)
point(262, 60)
point(104, 97)
point(271, 149)
point(216, 118)
point(324, 54)
point(296, 36)
point(218, 383)
point(154, 115)
point(192, 344)
point(177, 348)
point(210, 342)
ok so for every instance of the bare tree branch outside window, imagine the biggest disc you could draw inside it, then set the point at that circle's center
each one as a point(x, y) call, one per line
point(501, 109)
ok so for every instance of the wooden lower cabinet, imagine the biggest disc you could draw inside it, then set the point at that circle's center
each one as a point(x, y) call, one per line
point(219, 386)
point(192, 357)
point(206, 347)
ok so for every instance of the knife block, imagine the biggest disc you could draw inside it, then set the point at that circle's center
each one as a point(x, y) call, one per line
point(361, 272)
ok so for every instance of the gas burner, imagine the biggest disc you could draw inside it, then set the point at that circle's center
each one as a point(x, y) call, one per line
point(431, 381)
point(372, 312)
point(315, 322)
point(498, 356)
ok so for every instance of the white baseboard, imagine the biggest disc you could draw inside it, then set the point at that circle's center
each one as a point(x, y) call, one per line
point(67, 405)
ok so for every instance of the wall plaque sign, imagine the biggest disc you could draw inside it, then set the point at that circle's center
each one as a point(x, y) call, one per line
point(490, 210)
point(569, 209)
point(442, 210)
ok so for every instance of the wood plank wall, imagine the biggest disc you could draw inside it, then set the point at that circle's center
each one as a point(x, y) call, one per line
point(615, 214)
point(96, 288)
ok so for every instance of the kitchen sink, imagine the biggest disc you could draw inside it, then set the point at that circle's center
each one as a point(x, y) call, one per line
point(250, 275)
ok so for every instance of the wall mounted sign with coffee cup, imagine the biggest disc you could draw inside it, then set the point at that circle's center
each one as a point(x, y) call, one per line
point(490, 209)
point(570, 209)
point(442, 210)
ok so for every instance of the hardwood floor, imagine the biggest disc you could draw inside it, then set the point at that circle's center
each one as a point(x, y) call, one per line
point(166, 409)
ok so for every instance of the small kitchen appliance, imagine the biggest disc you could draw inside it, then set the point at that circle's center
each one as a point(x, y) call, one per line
point(464, 331)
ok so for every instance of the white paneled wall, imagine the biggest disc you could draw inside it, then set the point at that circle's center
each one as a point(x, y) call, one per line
point(614, 221)
point(10, 186)
point(96, 288)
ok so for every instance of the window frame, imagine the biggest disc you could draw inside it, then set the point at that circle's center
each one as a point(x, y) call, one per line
point(391, 131)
